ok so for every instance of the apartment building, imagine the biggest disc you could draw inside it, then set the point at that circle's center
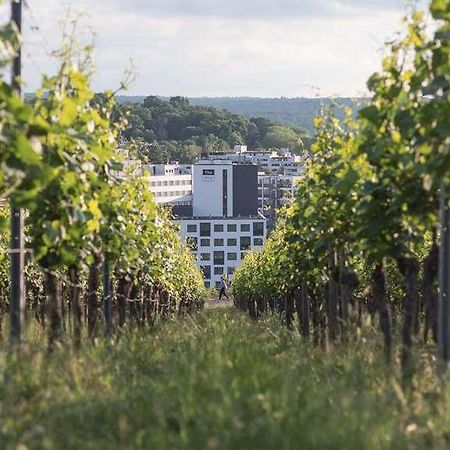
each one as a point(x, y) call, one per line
point(224, 221)
point(275, 191)
point(220, 244)
point(170, 183)
point(281, 161)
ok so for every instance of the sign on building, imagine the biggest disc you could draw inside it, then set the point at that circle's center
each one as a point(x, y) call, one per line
point(208, 174)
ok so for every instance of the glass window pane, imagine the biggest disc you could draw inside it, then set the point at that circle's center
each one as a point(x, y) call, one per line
point(258, 242)
point(258, 228)
point(205, 256)
point(219, 257)
point(245, 242)
point(206, 271)
point(205, 229)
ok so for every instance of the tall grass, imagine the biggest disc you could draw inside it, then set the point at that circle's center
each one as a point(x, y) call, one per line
point(217, 381)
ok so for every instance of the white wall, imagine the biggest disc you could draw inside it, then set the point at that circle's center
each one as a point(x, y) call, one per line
point(183, 224)
point(171, 188)
point(208, 190)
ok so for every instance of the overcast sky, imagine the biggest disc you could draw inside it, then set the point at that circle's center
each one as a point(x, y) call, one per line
point(266, 48)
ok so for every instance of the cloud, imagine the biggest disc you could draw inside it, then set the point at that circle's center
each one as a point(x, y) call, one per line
point(256, 9)
point(194, 56)
point(196, 48)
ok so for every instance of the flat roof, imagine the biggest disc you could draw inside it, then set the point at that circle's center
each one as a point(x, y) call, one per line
point(258, 217)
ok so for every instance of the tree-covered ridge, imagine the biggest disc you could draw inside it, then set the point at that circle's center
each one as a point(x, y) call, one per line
point(177, 130)
point(299, 111)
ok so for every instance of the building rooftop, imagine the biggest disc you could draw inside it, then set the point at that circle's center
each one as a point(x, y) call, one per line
point(255, 217)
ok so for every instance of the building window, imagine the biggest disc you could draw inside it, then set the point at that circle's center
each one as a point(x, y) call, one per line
point(192, 243)
point(225, 192)
point(245, 227)
point(218, 270)
point(205, 256)
point(192, 228)
point(219, 257)
point(207, 284)
point(258, 228)
point(205, 242)
point(205, 229)
point(243, 255)
point(230, 270)
point(218, 228)
point(231, 227)
point(232, 242)
point(206, 271)
point(258, 242)
point(232, 256)
point(218, 242)
point(245, 242)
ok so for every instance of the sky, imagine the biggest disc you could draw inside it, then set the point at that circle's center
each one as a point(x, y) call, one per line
point(258, 48)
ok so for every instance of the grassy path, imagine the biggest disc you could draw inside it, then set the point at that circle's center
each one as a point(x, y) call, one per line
point(215, 381)
point(213, 303)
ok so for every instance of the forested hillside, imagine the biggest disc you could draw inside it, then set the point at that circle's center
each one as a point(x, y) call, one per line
point(177, 130)
point(293, 111)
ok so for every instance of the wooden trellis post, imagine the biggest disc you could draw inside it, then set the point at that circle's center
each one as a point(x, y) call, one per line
point(17, 290)
point(107, 297)
point(444, 275)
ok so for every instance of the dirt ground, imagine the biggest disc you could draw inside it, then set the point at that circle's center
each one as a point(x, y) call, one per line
point(214, 303)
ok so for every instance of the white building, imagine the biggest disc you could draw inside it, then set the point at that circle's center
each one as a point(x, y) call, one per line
point(213, 189)
point(170, 183)
point(220, 244)
point(175, 189)
point(224, 221)
point(275, 191)
point(215, 203)
point(167, 169)
point(272, 162)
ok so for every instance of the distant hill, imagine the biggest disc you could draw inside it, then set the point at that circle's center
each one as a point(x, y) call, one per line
point(175, 129)
point(293, 111)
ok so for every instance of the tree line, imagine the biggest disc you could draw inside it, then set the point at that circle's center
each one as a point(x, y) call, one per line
point(299, 111)
point(177, 130)
point(362, 235)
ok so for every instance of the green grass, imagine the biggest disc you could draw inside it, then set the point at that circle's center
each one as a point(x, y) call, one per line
point(217, 381)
